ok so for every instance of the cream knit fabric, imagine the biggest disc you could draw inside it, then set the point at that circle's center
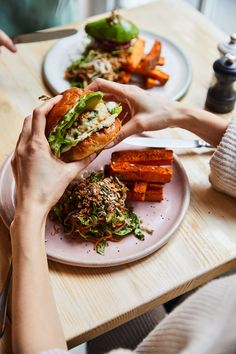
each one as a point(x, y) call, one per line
point(223, 163)
point(205, 323)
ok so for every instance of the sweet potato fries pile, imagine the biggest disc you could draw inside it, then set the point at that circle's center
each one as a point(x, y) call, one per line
point(145, 65)
point(144, 172)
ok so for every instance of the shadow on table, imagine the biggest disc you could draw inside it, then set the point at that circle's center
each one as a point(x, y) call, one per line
point(83, 271)
point(215, 202)
point(194, 152)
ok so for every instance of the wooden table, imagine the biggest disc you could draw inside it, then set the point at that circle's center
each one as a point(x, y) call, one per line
point(92, 301)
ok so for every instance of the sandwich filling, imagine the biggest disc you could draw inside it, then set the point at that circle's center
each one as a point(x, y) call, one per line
point(89, 115)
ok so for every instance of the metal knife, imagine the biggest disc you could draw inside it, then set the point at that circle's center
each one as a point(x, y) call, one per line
point(43, 36)
point(166, 143)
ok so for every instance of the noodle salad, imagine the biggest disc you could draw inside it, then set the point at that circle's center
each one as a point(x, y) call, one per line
point(95, 209)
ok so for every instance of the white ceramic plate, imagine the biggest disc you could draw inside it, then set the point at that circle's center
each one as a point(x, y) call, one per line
point(67, 49)
point(164, 218)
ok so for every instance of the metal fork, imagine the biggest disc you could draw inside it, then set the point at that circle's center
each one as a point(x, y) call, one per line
point(4, 300)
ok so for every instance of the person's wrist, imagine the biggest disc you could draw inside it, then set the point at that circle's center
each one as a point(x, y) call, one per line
point(27, 237)
point(183, 116)
point(28, 217)
point(176, 115)
point(28, 206)
point(189, 117)
point(30, 211)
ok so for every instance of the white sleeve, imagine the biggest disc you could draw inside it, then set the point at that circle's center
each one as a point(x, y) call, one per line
point(204, 323)
point(223, 162)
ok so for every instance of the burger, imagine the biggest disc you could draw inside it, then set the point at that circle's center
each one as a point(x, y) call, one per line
point(112, 33)
point(81, 124)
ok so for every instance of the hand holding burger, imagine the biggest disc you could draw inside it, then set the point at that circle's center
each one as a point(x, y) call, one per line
point(40, 177)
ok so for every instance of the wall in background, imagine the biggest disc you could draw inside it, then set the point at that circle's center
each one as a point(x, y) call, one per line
point(222, 13)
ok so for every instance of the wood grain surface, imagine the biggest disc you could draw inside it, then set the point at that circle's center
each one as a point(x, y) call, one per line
point(92, 301)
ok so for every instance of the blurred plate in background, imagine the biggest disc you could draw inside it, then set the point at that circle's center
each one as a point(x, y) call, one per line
point(60, 56)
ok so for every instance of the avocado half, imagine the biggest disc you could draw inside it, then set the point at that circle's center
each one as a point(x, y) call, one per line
point(113, 28)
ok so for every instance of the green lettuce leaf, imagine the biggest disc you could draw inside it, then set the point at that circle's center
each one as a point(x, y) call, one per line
point(116, 110)
point(101, 247)
point(133, 226)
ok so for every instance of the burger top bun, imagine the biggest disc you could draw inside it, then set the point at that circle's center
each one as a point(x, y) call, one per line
point(69, 99)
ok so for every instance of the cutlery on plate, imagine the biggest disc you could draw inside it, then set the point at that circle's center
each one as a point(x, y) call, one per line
point(43, 36)
point(167, 143)
point(4, 300)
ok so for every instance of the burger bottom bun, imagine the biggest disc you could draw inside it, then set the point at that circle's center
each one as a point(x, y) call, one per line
point(94, 143)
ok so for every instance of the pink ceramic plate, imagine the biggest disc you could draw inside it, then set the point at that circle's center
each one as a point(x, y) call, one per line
point(164, 218)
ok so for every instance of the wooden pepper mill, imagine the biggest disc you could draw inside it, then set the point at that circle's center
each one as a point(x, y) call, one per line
point(221, 96)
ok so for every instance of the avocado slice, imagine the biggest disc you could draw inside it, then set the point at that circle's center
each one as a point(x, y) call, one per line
point(86, 103)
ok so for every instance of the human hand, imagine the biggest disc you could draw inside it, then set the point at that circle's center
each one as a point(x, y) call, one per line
point(145, 110)
point(7, 42)
point(40, 177)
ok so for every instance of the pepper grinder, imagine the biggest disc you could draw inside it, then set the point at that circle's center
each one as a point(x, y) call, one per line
point(228, 46)
point(221, 96)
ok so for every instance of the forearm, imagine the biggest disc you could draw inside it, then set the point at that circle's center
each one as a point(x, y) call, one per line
point(206, 125)
point(33, 307)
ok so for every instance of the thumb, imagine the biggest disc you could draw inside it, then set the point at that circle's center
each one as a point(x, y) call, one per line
point(134, 126)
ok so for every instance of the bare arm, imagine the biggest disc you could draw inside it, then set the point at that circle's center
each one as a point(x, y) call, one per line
point(206, 125)
point(36, 326)
point(40, 181)
point(148, 111)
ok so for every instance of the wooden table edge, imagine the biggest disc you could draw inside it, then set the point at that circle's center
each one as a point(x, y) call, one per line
point(185, 287)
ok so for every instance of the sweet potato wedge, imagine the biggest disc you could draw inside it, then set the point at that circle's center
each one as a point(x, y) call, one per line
point(137, 54)
point(132, 172)
point(136, 190)
point(154, 195)
point(150, 82)
point(154, 192)
point(151, 195)
point(139, 197)
point(159, 75)
point(156, 157)
point(154, 186)
point(150, 60)
point(124, 77)
point(156, 74)
point(140, 187)
point(161, 61)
